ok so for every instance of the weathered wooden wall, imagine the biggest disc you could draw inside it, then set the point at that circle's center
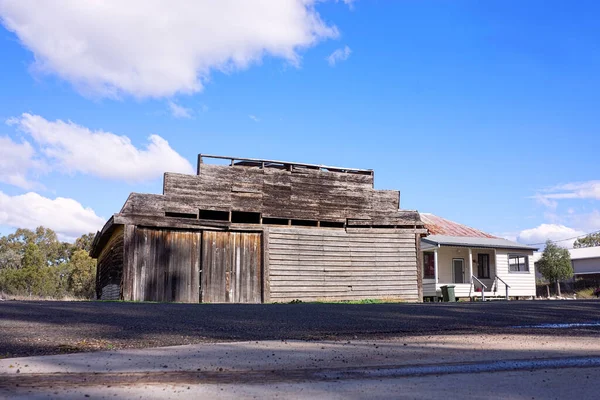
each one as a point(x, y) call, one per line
point(302, 194)
point(164, 265)
point(315, 264)
point(231, 267)
point(109, 267)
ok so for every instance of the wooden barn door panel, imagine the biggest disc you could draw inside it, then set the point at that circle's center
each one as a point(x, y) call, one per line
point(231, 267)
point(167, 265)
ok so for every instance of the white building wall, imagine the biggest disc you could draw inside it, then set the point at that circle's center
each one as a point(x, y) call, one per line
point(521, 283)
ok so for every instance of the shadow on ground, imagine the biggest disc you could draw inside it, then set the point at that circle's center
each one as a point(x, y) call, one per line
point(37, 327)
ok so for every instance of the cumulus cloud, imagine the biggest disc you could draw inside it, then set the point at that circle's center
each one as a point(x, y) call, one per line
point(65, 216)
point(16, 160)
point(108, 48)
point(561, 234)
point(339, 55)
point(75, 148)
point(178, 111)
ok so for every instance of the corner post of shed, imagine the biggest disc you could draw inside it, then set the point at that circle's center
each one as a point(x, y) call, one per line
point(419, 266)
point(266, 282)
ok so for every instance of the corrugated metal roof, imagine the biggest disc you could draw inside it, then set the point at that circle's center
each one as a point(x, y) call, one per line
point(441, 226)
point(576, 254)
point(485, 242)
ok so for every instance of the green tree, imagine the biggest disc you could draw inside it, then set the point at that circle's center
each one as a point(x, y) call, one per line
point(82, 275)
point(84, 242)
point(555, 264)
point(591, 240)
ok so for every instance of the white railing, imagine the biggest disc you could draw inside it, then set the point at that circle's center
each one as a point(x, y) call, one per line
point(506, 286)
point(483, 287)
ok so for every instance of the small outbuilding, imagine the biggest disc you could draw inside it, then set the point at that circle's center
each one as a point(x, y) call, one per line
point(251, 231)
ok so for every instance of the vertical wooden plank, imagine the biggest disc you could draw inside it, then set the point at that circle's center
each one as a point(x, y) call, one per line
point(195, 268)
point(257, 264)
point(205, 265)
point(128, 262)
point(266, 285)
point(161, 269)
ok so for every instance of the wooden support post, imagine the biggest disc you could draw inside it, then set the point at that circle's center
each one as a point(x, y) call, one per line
point(435, 266)
point(266, 284)
point(471, 266)
point(419, 266)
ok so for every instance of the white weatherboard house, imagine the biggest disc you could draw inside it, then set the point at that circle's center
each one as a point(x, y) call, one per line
point(478, 264)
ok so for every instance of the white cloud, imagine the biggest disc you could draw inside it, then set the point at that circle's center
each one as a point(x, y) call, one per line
point(339, 55)
point(178, 111)
point(254, 118)
point(157, 48)
point(75, 148)
point(65, 216)
point(561, 234)
point(574, 190)
point(16, 160)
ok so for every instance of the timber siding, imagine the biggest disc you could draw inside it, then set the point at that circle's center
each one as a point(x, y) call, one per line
point(109, 267)
point(262, 231)
point(309, 265)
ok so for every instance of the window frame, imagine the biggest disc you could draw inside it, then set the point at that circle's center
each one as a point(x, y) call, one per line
point(526, 265)
point(431, 256)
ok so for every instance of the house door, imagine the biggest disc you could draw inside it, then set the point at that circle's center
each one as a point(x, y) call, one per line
point(231, 267)
point(458, 270)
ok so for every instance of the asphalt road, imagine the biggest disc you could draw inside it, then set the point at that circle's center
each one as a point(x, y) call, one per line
point(37, 328)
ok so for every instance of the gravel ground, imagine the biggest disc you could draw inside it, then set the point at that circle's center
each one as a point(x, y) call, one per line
point(37, 328)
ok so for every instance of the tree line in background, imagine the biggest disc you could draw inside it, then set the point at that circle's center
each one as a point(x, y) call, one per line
point(36, 263)
point(591, 240)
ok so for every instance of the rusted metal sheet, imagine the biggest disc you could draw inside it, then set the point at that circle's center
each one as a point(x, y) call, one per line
point(166, 266)
point(231, 267)
point(441, 226)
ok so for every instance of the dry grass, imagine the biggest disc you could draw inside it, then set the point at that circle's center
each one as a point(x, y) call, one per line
point(585, 293)
point(4, 296)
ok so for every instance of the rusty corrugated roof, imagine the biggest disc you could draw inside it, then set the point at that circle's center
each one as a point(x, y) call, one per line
point(441, 226)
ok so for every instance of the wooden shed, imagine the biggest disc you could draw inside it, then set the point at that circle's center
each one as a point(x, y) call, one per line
point(251, 231)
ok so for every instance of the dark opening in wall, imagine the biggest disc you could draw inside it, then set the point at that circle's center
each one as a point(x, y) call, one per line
point(241, 217)
point(331, 224)
point(275, 221)
point(383, 226)
point(214, 215)
point(180, 215)
point(304, 222)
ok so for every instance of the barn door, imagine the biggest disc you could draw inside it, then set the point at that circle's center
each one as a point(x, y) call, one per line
point(231, 267)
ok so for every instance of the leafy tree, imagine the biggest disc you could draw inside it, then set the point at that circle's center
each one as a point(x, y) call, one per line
point(82, 276)
point(555, 264)
point(84, 242)
point(36, 263)
point(591, 240)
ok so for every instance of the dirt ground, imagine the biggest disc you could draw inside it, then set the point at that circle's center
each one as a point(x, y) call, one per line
point(39, 328)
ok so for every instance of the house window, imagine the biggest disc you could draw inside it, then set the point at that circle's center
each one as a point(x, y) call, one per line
point(428, 265)
point(518, 263)
point(483, 266)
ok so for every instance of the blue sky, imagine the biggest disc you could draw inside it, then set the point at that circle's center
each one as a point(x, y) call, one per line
point(480, 112)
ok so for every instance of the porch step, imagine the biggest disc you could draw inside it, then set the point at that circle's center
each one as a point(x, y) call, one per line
point(489, 296)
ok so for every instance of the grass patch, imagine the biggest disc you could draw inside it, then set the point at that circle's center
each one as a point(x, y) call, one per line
point(362, 301)
point(585, 293)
